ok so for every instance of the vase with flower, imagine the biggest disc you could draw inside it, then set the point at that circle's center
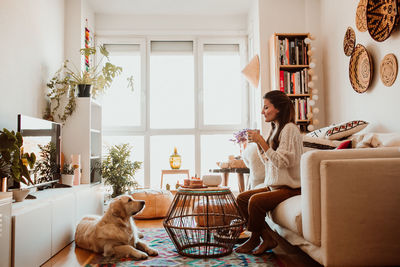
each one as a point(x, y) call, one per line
point(240, 138)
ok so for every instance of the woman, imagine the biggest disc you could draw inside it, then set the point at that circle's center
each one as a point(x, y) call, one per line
point(280, 154)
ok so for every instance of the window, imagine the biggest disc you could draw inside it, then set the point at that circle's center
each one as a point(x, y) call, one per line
point(194, 100)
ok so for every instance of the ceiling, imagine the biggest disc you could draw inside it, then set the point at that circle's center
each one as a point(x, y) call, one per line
point(171, 7)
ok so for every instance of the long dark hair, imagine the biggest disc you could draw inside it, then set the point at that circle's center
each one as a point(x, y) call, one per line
point(285, 115)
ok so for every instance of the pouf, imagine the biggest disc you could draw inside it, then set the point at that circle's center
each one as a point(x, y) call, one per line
point(157, 203)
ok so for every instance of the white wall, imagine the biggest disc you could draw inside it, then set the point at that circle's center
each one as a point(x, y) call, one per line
point(380, 104)
point(145, 24)
point(288, 16)
point(32, 49)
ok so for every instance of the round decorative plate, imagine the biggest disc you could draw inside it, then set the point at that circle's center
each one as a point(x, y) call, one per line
point(388, 69)
point(349, 41)
point(361, 16)
point(360, 69)
point(381, 18)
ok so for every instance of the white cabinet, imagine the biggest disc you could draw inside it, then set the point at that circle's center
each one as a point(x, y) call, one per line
point(44, 226)
point(82, 135)
point(32, 235)
point(5, 229)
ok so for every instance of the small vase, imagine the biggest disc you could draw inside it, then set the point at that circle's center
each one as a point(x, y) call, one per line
point(67, 179)
point(20, 194)
point(84, 90)
point(175, 160)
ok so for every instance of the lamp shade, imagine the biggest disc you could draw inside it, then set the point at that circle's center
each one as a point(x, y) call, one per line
point(252, 71)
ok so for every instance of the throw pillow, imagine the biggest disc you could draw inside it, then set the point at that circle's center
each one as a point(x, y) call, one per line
point(310, 143)
point(319, 133)
point(344, 145)
point(345, 129)
point(254, 163)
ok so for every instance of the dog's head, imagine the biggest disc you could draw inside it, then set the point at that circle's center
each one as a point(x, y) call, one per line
point(125, 206)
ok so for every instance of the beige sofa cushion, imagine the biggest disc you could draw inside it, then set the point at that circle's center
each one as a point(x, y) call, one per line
point(311, 183)
point(288, 214)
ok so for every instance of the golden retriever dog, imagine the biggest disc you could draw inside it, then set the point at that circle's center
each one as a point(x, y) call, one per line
point(114, 234)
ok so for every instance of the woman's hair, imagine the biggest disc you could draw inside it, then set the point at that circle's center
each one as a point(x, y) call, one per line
point(285, 115)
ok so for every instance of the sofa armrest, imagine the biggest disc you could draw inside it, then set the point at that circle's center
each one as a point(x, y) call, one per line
point(311, 184)
point(360, 211)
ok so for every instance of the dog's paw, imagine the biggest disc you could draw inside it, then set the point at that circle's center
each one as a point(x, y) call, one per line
point(152, 252)
point(140, 255)
point(140, 235)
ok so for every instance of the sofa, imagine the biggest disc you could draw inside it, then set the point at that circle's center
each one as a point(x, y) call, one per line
point(348, 213)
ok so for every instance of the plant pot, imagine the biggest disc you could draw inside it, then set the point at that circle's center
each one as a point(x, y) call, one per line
point(84, 90)
point(67, 179)
point(20, 194)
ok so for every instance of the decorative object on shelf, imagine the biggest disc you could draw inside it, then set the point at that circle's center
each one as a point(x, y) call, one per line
point(67, 174)
point(119, 171)
point(76, 164)
point(388, 70)
point(66, 79)
point(361, 16)
point(84, 90)
point(349, 41)
point(381, 18)
point(360, 69)
point(175, 160)
point(87, 45)
point(252, 71)
point(19, 194)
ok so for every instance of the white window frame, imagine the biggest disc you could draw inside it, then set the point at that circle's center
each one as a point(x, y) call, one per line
point(199, 127)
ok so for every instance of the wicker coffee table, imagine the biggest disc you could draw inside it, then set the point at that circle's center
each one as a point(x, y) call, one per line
point(204, 222)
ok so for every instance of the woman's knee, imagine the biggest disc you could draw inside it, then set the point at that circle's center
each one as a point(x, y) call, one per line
point(242, 198)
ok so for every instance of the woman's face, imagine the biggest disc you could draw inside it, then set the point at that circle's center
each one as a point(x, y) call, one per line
point(269, 111)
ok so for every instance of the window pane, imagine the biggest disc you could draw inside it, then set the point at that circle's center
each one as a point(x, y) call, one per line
point(171, 90)
point(121, 106)
point(161, 147)
point(137, 154)
point(222, 88)
point(216, 148)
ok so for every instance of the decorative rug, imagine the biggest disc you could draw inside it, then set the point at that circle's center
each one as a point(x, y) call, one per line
point(158, 239)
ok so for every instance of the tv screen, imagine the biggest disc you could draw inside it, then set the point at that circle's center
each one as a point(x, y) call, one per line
point(43, 138)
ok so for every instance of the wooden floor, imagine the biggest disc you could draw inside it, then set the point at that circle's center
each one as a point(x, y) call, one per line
point(71, 256)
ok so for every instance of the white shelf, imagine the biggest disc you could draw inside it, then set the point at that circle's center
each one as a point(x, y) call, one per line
point(95, 157)
point(95, 131)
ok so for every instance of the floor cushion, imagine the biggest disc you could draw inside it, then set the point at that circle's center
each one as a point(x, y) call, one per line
point(157, 203)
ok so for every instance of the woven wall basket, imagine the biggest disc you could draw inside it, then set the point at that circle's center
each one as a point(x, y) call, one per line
point(349, 41)
point(361, 16)
point(381, 18)
point(360, 69)
point(388, 70)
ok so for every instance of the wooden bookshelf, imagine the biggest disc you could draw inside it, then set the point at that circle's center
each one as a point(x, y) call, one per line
point(289, 66)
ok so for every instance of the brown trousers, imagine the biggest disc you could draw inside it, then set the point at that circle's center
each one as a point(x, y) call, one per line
point(254, 204)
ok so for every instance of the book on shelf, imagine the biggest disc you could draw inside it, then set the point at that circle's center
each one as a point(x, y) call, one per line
point(293, 51)
point(301, 108)
point(293, 82)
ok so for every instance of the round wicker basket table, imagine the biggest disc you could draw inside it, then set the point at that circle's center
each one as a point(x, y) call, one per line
point(204, 222)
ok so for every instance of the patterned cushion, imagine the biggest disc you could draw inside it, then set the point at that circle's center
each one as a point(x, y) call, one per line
point(311, 143)
point(345, 129)
point(339, 131)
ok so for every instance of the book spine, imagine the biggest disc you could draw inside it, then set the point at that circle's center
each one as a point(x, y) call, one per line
point(281, 81)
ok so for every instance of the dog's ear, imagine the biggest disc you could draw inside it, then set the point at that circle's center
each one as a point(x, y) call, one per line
point(118, 209)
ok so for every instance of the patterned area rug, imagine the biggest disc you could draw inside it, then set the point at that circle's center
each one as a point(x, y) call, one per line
point(168, 256)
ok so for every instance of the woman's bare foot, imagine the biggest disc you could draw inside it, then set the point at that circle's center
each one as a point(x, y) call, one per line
point(267, 244)
point(250, 244)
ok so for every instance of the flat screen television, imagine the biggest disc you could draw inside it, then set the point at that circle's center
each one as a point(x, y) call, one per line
point(43, 138)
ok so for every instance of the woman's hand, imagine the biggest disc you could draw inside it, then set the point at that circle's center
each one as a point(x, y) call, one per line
point(253, 136)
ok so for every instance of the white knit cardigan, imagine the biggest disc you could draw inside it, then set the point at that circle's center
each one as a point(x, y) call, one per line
point(282, 166)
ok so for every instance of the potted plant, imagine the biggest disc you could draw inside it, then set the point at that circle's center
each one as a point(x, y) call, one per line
point(90, 82)
point(67, 174)
point(118, 170)
point(14, 163)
